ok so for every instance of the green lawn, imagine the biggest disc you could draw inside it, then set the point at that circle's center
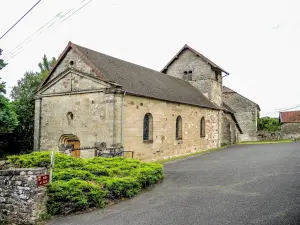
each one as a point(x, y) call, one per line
point(162, 161)
point(265, 142)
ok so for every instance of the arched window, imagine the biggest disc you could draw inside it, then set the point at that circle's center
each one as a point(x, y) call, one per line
point(202, 127)
point(178, 128)
point(148, 127)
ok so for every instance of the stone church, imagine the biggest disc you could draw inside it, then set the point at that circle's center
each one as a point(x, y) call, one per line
point(89, 98)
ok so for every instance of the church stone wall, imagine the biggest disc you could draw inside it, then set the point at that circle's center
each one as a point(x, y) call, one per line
point(96, 118)
point(164, 127)
point(229, 131)
point(202, 75)
point(78, 64)
point(246, 114)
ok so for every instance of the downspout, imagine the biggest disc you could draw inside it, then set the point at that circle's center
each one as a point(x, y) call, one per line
point(219, 131)
point(122, 120)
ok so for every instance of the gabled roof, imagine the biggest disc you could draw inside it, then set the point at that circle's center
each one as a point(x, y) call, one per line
point(290, 117)
point(228, 90)
point(227, 108)
point(198, 54)
point(138, 80)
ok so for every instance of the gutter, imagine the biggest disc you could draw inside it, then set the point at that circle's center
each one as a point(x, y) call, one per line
point(122, 120)
point(219, 132)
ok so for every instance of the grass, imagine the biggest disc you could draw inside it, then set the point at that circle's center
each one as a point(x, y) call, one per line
point(80, 184)
point(265, 142)
point(162, 161)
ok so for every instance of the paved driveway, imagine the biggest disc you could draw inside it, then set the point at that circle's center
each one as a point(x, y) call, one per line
point(245, 184)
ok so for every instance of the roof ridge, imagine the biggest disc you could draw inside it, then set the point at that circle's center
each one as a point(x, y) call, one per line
point(197, 53)
point(158, 72)
point(138, 80)
point(162, 74)
point(289, 111)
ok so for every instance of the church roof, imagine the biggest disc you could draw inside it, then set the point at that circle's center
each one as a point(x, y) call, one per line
point(227, 90)
point(138, 80)
point(198, 54)
point(290, 117)
point(227, 108)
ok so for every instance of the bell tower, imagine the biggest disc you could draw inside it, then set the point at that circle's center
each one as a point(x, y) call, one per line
point(190, 65)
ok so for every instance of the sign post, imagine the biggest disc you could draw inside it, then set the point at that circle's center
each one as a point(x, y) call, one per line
point(52, 165)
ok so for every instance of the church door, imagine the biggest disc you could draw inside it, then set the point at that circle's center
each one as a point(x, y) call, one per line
point(76, 144)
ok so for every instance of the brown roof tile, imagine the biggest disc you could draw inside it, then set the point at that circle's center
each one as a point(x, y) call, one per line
point(290, 117)
point(141, 81)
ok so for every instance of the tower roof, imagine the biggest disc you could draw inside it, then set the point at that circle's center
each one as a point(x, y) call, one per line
point(198, 54)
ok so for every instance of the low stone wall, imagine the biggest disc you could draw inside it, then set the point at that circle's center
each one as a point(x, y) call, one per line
point(276, 135)
point(269, 135)
point(21, 200)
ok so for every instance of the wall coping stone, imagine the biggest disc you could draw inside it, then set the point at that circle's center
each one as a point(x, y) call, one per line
point(23, 171)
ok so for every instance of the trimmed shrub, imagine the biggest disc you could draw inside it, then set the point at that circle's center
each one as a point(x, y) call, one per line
point(79, 183)
point(74, 195)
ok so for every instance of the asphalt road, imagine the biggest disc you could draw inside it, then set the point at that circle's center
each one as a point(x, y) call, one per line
point(245, 184)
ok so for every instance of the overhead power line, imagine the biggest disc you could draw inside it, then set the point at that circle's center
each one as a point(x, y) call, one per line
point(287, 108)
point(61, 16)
point(20, 19)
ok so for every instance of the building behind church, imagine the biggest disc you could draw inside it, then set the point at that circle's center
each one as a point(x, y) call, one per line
point(89, 98)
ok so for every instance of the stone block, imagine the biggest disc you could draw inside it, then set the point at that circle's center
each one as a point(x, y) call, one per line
point(20, 197)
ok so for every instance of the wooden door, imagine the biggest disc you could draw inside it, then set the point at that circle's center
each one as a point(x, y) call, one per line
point(76, 144)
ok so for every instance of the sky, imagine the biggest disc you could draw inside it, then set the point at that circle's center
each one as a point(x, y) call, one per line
point(256, 41)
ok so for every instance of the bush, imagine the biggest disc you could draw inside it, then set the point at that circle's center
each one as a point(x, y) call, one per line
point(79, 183)
point(74, 195)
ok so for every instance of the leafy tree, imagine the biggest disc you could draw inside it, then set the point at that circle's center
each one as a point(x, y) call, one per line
point(268, 124)
point(2, 87)
point(23, 95)
point(2, 83)
point(8, 117)
point(46, 65)
point(2, 63)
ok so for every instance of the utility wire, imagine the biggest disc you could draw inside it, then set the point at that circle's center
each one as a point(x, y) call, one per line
point(20, 19)
point(27, 40)
point(19, 48)
point(286, 108)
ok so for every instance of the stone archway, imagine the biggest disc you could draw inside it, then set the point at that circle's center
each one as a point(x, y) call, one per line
point(73, 140)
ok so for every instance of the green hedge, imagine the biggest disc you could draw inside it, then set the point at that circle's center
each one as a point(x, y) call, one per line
point(79, 184)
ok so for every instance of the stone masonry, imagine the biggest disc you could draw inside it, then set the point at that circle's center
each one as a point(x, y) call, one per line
point(246, 114)
point(75, 107)
point(290, 130)
point(21, 201)
point(199, 73)
point(95, 105)
point(164, 115)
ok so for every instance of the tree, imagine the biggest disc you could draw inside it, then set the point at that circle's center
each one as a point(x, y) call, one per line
point(2, 87)
point(23, 95)
point(2, 83)
point(2, 63)
point(268, 124)
point(46, 65)
point(8, 117)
